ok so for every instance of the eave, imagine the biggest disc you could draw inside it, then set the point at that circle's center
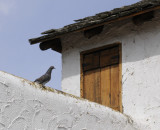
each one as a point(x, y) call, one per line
point(98, 20)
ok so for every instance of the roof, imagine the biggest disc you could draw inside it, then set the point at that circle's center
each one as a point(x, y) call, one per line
point(99, 19)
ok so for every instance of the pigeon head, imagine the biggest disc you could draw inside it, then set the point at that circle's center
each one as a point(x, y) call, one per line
point(52, 67)
point(50, 70)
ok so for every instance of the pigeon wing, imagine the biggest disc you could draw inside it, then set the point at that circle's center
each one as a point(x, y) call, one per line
point(42, 79)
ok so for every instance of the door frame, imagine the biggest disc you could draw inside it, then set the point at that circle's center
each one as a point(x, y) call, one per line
point(120, 68)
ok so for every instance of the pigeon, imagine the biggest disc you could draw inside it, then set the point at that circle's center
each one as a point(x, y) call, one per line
point(46, 77)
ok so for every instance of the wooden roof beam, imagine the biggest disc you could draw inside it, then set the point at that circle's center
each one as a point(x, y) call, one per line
point(54, 44)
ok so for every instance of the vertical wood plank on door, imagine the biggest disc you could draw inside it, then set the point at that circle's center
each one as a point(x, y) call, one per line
point(101, 71)
point(92, 85)
point(97, 86)
point(120, 78)
point(91, 61)
point(105, 86)
point(115, 87)
point(88, 86)
point(81, 77)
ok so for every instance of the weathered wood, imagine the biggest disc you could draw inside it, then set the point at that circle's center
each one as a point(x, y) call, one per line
point(81, 77)
point(103, 83)
point(109, 57)
point(115, 87)
point(92, 85)
point(54, 44)
point(97, 86)
point(88, 89)
point(91, 61)
point(106, 86)
point(120, 78)
point(100, 20)
point(88, 33)
point(140, 19)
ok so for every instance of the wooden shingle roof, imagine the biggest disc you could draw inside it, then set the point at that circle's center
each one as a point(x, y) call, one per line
point(99, 19)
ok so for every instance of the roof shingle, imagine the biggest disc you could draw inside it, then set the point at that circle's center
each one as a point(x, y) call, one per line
point(100, 18)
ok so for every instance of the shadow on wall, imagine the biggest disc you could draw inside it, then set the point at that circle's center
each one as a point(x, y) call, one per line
point(138, 43)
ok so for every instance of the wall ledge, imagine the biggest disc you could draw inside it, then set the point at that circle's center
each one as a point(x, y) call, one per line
point(25, 104)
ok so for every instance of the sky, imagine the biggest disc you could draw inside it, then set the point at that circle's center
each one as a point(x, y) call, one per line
point(21, 20)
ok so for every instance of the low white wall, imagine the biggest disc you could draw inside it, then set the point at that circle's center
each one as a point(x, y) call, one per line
point(25, 105)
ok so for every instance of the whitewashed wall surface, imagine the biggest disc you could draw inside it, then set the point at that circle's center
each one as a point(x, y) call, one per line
point(25, 105)
point(140, 65)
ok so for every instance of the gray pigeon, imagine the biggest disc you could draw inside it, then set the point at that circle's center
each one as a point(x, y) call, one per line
point(46, 77)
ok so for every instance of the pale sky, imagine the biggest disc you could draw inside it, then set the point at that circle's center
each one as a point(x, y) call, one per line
point(21, 20)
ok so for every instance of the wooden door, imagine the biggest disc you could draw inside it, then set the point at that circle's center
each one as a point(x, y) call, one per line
point(101, 76)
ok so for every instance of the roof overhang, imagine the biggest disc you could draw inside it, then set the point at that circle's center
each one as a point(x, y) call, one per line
point(51, 38)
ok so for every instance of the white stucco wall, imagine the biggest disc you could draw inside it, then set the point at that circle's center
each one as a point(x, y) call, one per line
point(140, 66)
point(24, 105)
